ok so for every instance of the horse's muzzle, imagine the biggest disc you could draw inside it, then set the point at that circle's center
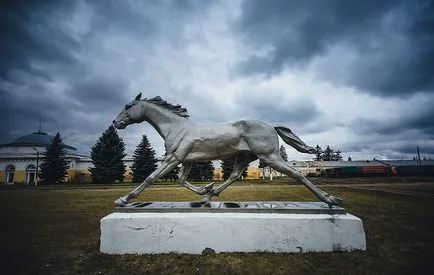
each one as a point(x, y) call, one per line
point(119, 125)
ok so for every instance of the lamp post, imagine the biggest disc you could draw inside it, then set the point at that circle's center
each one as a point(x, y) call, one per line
point(37, 166)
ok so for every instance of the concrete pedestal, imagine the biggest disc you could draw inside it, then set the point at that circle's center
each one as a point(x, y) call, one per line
point(130, 233)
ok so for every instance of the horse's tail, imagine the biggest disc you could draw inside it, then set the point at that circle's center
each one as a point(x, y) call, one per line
point(292, 139)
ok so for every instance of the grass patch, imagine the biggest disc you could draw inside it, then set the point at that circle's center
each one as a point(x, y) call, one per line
point(56, 231)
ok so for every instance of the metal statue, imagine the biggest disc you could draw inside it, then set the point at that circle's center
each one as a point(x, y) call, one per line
point(187, 142)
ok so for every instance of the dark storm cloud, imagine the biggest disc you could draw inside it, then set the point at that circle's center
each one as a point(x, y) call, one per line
point(103, 92)
point(69, 63)
point(23, 111)
point(275, 110)
point(393, 40)
point(28, 34)
point(421, 121)
point(411, 149)
point(397, 137)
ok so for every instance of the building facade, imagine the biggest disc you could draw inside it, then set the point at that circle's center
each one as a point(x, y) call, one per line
point(19, 160)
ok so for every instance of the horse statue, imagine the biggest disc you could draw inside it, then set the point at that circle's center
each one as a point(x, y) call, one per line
point(187, 142)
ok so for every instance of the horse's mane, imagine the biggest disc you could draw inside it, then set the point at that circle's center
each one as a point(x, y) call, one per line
point(176, 109)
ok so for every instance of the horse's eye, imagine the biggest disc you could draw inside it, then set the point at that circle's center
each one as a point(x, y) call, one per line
point(127, 107)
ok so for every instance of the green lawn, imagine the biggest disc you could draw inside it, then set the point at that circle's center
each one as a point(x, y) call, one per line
point(56, 231)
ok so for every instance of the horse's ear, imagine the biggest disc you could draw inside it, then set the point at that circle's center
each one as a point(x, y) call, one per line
point(138, 96)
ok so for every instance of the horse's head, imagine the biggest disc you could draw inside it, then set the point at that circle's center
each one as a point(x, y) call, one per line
point(129, 115)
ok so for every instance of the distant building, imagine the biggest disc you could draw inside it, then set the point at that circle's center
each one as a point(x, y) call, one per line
point(18, 160)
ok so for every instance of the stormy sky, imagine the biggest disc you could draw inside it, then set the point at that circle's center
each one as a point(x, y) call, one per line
point(355, 75)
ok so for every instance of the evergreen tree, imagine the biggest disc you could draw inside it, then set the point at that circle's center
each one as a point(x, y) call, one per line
point(172, 175)
point(201, 171)
point(207, 171)
point(54, 167)
point(144, 161)
point(318, 153)
point(327, 155)
point(107, 157)
point(337, 155)
point(228, 166)
point(283, 153)
point(244, 175)
point(262, 166)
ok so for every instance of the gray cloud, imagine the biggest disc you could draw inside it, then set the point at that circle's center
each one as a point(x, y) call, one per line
point(421, 120)
point(76, 63)
point(29, 35)
point(71, 63)
point(392, 41)
point(103, 92)
point(276, 110)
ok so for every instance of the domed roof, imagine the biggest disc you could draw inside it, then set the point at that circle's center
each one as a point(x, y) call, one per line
point(34, 139)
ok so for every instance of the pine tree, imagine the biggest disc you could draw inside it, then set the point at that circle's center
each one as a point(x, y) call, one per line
point(244, 175)
point(283, 153)
point(172, 175)
point(228, 166)
point(54, 167)
point(144, 161)
point(327, 155)
point(207, 171)
point(337, 155)
point(262, 166)
point(318, 153)
point(107, 157)
point(201, 171)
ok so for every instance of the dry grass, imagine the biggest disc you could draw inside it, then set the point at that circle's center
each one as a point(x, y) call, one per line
point(56, 231)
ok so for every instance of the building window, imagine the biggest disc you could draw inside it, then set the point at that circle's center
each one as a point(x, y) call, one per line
point(30, 174)
point(10, 173)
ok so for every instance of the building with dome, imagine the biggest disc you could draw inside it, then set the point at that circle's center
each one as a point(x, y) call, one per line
point(19, 159)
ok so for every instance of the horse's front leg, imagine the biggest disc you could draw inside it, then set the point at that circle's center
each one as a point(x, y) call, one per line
point(168, 164)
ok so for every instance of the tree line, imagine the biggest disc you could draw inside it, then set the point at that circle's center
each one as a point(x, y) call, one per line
point(108, 155)
point(327, 154)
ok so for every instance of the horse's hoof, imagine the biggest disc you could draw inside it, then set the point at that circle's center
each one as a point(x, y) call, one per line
point(209, 187)
point(201, 190)
point(121, 202)
point(335, 200)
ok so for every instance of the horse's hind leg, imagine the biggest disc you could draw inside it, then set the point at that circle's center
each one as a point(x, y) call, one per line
point(276, 162)
point(185, 170)
point(241, 162)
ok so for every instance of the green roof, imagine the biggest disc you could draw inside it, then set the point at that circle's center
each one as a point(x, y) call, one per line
point(34, 139)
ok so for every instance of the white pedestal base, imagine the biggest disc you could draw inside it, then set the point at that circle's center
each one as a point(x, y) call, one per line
point(142, 233)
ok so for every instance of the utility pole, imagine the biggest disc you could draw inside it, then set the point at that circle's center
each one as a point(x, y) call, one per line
point(418, 156)
point(37, 166)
